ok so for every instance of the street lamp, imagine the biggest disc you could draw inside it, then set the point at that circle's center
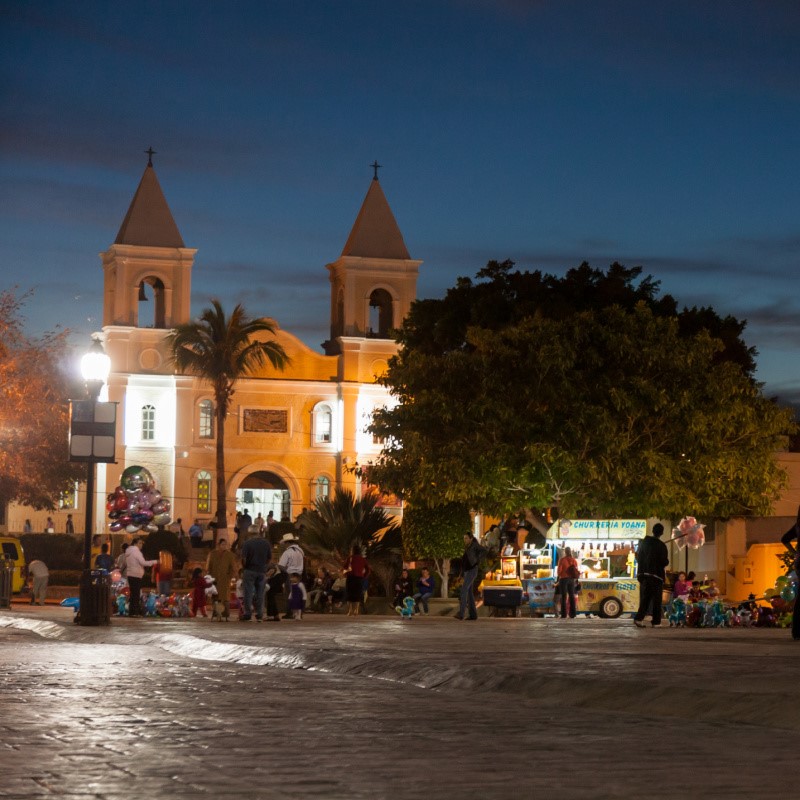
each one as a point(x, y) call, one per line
point(92, 429)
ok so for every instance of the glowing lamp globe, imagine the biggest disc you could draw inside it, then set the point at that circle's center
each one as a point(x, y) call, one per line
point(95, 366)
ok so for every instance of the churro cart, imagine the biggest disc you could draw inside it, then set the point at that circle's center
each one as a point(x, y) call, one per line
point(605, 550)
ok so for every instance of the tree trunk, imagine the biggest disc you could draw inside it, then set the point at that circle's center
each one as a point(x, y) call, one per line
point(222, 498)
point(443, 570)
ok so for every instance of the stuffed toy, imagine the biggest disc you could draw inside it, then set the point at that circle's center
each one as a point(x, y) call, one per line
point(150, 604)
point(122, 605)
point(406, 611)
point(677, 619)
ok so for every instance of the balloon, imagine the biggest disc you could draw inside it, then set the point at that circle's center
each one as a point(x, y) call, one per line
point(152, 528)
point(121, 503)
point(132, 528)
point(142, 518)
point(135, 477)
point(789, 592)
point(114, 527)
point(161, 519)
point(770, 593)
point(116, 575)
point(782, 581)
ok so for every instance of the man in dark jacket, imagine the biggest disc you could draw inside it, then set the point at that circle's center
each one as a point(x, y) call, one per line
point(794, 534)
point(470, 561)
point(256, 555)
point(652, 559)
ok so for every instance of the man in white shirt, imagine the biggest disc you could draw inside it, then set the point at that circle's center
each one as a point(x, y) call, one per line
point(135, 564)
point(40, 574)
point(291, 562)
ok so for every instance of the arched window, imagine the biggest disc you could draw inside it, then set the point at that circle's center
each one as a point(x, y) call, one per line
point(380, 314)
point(206, 427)
point(322, 487)
point(148, 423)
point(323, 423)
point(203, 492)
point(158, 311)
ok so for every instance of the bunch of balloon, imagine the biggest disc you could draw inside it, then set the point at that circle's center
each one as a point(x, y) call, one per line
point(136, 503)
point(689, 533)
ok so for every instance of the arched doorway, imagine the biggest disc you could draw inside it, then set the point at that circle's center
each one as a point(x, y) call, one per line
point(261, 492)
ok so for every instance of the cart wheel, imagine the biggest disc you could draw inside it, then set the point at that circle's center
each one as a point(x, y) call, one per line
point(610, 607)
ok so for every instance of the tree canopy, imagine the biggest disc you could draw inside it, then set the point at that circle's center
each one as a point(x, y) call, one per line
point(34, 413)
point(587, 393)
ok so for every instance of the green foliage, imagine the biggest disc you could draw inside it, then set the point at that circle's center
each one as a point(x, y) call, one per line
point(334, 526)
point(60, 551)
point(222, 350)
point(609, 411)
point(34, 413)
point(163, 539)
point(435, 532)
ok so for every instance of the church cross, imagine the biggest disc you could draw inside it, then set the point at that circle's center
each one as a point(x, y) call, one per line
point(376, 166)
point(150, 153)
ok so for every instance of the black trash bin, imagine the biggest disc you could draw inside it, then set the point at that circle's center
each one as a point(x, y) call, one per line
point(95, 598)
point(6, 582)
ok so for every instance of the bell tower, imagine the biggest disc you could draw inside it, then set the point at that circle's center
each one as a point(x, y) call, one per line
point(147, 271)
point(374, 281)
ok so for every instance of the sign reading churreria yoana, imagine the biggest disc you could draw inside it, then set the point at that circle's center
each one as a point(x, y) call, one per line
point(598, 529)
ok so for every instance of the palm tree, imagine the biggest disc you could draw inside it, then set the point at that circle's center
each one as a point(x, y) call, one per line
point(222, 350)
point(333, 527)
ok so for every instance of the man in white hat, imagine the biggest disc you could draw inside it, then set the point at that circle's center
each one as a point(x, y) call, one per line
point(291, 560)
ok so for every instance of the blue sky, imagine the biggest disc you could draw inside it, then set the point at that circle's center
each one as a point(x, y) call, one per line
point(660, 134)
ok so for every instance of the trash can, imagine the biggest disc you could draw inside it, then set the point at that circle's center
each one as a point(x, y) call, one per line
point(6, 582)
point(95, 598)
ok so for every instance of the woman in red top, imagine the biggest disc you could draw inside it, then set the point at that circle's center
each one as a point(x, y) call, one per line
point(568, 573)
point(356, 569)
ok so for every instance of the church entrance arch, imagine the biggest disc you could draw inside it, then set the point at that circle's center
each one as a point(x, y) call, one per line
point(263, 491)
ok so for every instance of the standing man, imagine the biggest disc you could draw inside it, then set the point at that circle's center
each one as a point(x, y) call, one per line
point(470, 561)
point(40, 575)
point(243, 523)
point(221, 565)
point(794, 534)
point(135, 565)
point(256, 555)
point(70, 526)
point(652, 559)
point(291, 562)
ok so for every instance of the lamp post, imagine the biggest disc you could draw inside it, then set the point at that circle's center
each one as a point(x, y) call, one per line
point(95, 366)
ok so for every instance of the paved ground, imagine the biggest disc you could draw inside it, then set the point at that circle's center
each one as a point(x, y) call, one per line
point(380, 708)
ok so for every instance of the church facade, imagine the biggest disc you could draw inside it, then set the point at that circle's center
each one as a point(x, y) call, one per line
point(293, 435)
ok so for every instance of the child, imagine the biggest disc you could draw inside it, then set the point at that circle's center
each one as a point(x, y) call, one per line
point(198, 592)
point(211, 597)
point(297, 596)
point(240, 592)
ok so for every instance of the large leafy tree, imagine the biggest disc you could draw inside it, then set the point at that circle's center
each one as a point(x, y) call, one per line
point(34, 413)
point(223, 349)
point(621, 409)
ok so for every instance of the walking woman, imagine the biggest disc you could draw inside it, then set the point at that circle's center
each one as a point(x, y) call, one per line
point(356, 569)
point(568, 573)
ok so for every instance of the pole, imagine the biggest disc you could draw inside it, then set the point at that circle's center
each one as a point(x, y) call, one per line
point(89, 522)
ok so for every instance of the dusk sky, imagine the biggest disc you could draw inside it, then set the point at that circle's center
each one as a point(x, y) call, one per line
point(660, 134)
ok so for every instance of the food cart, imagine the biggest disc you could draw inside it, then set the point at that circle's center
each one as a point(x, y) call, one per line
point(502, 590)
point(605, 550)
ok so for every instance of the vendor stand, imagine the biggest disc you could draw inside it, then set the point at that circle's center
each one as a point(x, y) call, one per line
point(606, 554)
point(502, 590)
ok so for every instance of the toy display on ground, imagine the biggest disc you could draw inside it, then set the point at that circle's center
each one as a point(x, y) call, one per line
point(705, 612)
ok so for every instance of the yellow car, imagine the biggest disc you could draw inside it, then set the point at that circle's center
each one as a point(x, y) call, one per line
point(12, 549)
